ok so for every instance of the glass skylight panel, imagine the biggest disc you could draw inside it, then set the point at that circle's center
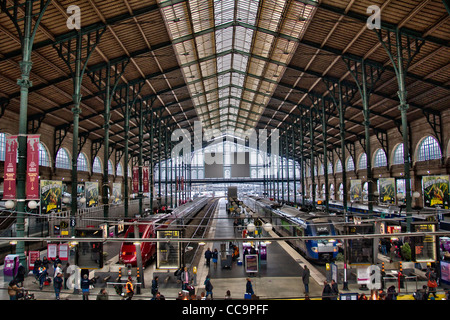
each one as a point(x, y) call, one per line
point(204, 44)
point(223, 11)
point(243, 38)
point(224, 39)
point(247, 11)
point(224, 63)
point(240, 62)
point(237, 79)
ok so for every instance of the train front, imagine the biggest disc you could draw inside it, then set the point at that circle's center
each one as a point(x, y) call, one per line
point(320, 250)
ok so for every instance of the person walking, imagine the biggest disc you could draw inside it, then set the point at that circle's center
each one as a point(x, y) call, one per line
point(185, 277)
point(42, 275)
point(305, 278)
point(208, 287)
point(208, 255)
point(326, 292)
point(432, 283)
point(13, 290)
point(215, 257)
point(249, 287)
point(58, 284)
point(20, 277)
point(130, 288)
point(66, 274)
point(334, 290)
point(155, 286)
point(37, 264)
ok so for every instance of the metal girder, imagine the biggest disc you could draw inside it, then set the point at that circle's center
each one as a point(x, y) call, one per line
point(384, 25)
point(90, 28)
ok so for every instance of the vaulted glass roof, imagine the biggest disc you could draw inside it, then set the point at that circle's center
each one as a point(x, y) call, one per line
point(233, 52)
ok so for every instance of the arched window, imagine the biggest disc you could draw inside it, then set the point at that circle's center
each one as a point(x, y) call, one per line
point(362, 162)
point(429, 149)
point(110, 167)
point(380, 158)
point(350, 164)
point(338, 166)
point(44, 159)
point(119, 169)
point(330, 168)
point(82, 164)
point(97, 166)
point(398, 154)
point(63, 159)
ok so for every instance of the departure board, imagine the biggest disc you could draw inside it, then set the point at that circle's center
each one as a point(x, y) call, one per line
point(424, 247)
point(360, 251)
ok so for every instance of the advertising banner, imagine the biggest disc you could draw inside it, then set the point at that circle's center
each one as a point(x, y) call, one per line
point(117, 193)
point(32, 178)
point(135, 179)
point(10, 168)
point(355, 190)
point(81, 194)
point(435, 191)
point(145, 181)
point(387, 190)
point(32, 257)
point(51, 195)
point(91, 194)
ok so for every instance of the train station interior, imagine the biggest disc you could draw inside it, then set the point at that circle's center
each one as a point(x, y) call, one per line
point(300, 139)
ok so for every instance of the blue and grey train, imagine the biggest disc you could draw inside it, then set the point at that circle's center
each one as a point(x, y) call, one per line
point(290, 222)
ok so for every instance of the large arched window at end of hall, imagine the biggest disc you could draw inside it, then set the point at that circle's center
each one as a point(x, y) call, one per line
point(63, 159)
point(97, 165)
point(380, 158)
point(429, 149)
point(82, 164)
point(44, 158)
point(398, 154)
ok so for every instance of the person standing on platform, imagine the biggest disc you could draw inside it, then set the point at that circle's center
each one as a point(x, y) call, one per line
point(57, 284)
point(208, 256)
point(249, 287)
point(215, 257)
point(326, 293)
point(185, 278)
point(334, 290)
point(84, 284)
point(155, 286)
point(130, 288)
point(305, 278)
point(208, 287)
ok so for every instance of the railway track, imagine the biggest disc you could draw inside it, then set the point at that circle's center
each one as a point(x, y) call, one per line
point(197, 229)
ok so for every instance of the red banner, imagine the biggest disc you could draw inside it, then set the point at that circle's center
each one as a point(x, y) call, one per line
point(9, 190)
point(135, 179)
point(32, 192)
point(145, 179)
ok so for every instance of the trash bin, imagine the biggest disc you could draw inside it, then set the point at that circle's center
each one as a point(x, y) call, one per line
point(11, 267)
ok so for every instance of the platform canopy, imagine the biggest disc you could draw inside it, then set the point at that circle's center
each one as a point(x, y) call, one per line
point(230, 63)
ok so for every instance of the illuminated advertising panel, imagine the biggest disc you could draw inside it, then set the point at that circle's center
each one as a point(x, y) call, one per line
point(168, 253)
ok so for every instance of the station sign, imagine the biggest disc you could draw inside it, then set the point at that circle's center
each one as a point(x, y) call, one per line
point(168, 253)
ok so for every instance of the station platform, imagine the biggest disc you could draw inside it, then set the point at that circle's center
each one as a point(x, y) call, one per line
point(279, 278)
